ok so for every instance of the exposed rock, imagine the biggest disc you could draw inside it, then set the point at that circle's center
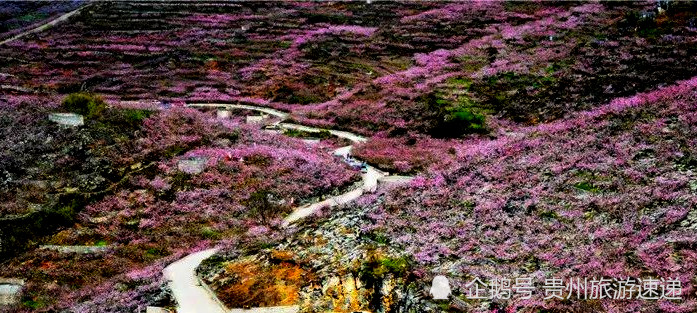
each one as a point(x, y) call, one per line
point(76, 249)
point(193, 165)
point(223, 114)
point(255, 119)
point(67, 119)
point(10, 291)
point(311, 141)
point(346, 268)
point(154, 309)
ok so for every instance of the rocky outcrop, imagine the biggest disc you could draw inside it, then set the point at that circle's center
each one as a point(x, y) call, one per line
point(10, 291)
point(346, 270)
point(348, 293)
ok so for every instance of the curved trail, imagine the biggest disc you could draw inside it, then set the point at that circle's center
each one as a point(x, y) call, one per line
point(283, 115)
point(370, 177)
point(186, 289)
point(190, 295)
point(46, 25)
point(270, 111)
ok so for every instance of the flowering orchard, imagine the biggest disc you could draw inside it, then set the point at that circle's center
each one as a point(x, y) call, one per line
point(606, 193)
point(159, 212)
point(548, 140)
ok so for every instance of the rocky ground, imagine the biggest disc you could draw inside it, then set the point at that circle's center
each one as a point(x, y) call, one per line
point(340, 268)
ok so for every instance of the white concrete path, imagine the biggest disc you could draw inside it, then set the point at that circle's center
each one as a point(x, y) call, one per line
point(370, 178)
point(370, 184)
point(283, 115)
point(269, 111)
point(190, 295)
point(339, 133)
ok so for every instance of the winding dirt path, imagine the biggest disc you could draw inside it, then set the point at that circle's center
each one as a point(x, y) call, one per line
point(190, 295)
point(46, 25)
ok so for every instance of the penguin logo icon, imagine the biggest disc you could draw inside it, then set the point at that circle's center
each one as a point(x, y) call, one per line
point(440, 288)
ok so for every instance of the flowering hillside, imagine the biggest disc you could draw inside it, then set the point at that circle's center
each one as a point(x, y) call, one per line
point(18, 16)
point(343, 156)
point(366, 67)
point(251, 179)
point(389, 70)
point(605, 196)
point(608, 193)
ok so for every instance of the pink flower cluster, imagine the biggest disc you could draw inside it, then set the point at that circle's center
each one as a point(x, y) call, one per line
point(334, 30)
point(606, 193)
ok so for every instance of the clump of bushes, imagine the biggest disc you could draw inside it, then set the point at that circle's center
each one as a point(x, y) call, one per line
point(86, 104)
point(124, 118)
point(323, 134)
point(260, 203)
point(452, 118)
point(298, 92)
point(378, 265)
point(462, 120)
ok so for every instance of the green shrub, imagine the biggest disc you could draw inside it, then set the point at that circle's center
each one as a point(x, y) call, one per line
point(130, 119)
point(210, 233)
point(377, 266)
point(86, 104)
point(397, 266)
point(450, 118)
point(463, 120)
point(322, 134)
point(259, 204)
point(587, 186)
point(34, 304)
point(135, 117)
